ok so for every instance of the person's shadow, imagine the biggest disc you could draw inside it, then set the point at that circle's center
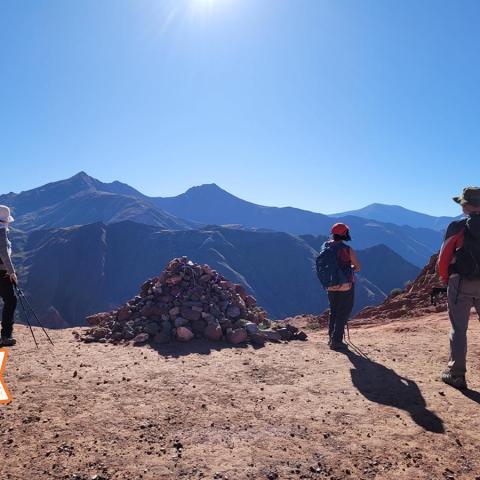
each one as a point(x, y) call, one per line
point(383, 385)
point(471, 394)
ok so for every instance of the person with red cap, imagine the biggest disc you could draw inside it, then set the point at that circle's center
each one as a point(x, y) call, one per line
point(336, 267)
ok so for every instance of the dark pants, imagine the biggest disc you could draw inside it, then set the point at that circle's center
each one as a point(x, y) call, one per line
point(9, 304)
point(341, 306)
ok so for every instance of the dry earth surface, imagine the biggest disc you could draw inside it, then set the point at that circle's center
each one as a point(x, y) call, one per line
point(286, 411)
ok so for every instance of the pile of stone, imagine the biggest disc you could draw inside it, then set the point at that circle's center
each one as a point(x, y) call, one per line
point(186, 301)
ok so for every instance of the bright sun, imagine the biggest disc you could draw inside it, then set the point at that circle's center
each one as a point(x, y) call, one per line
point(205, 3)
point(207, 6)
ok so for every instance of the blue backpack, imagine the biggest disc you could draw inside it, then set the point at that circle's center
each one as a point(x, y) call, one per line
point(329, 272)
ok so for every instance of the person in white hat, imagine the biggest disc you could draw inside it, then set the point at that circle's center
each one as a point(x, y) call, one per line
point(8, 279)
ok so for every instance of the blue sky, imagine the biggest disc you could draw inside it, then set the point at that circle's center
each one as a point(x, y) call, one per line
point(319, 104)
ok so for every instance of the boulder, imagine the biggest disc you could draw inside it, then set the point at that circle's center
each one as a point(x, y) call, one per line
point(252, 328)
point(302, 336)
point(141, 339)
point(98, 333)
point(272, 335)
point(257, 339)
point(98, 318)
point(190, 314)
point(180, 322)
point(285, 333)
point(184, 334)
point(237, 336)
point(198, 327)
point(213, 332)
point(233, 311)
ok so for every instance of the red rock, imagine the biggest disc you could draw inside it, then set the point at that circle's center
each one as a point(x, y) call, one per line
point(250, 301)
point(237, 336)
point(415, 301)
point(184, 334)
point(227, 285)
point(213, 332)
point(99, 332)
point(98, 318)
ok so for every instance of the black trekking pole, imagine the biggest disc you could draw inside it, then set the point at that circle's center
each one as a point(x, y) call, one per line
point(22, 295)
point(355, 348)
point(25, 314)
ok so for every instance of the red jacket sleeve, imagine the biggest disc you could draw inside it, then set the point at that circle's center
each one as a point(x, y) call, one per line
point(453, 241)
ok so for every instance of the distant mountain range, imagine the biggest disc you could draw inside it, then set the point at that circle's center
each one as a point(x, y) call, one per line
point(212, 205)
point(82, 246)
point(399, 216)
point(72, 272)
point(82, 199)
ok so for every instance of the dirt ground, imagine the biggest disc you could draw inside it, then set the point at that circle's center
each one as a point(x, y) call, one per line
point(286, 411)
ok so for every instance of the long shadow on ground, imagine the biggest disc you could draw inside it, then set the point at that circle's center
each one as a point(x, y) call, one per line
point(383, 385)
point(472, 395)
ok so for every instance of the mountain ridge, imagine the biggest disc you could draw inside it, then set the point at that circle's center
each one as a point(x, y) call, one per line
point(398, 215)
point(103, 265)
point(82, 199)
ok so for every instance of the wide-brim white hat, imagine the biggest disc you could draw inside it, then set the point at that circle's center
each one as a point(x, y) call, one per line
point(5, 215)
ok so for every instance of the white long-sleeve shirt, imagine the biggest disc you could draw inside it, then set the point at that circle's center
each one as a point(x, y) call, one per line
point(5, 251)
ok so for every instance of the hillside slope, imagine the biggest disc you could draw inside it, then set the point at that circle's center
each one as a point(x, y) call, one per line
point(415, 300)
point(83, 270)
point(295, 411)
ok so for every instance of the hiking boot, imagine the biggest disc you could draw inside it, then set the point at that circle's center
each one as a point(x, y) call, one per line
point(455, 381)
point(7, 341)
point(338, 346)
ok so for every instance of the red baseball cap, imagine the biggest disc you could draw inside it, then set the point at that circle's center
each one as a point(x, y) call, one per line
point(340, 229)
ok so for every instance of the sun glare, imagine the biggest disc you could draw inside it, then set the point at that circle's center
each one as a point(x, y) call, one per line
point(206, 5)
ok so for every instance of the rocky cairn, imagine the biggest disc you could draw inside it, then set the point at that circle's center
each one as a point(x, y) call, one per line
point(188, 301)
